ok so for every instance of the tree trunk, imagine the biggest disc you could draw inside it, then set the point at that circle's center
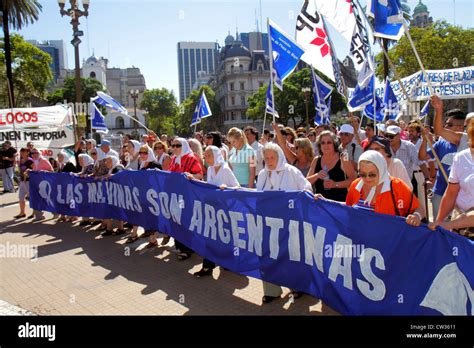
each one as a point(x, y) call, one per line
point(8, 56)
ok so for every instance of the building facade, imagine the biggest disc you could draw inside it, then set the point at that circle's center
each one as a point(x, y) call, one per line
point(57, 50)
point(421, 16)
point(194, 57)
point(240, 73)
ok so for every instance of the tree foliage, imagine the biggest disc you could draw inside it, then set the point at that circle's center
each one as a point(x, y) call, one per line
point(441, 46)
point(89, 88)
point(290, 103)
point(188, 106)
point(162, 109)
point(31, 71)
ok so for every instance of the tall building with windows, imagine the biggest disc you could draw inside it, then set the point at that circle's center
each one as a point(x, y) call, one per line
point(240, 73)
point(193, 58)
point(255, 41)
point(57, 50)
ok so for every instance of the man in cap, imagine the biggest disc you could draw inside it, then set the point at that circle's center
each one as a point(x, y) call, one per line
point(404, 150)
point(105, 150)
point(346, 133)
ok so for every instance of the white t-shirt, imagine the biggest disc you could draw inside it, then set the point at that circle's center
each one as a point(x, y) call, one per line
point(101, 154)
point(397, 170)
point(462, 173)
point(224, 176)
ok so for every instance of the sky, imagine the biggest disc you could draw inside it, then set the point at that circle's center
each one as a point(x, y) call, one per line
point(144, 33)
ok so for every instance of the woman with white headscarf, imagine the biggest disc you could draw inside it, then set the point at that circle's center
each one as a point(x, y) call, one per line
point(64, 163)
point(278, 175)
point(86, 162)
point(184, 161)
point(147, 161)
point(133, 148)
point(219, 174)
point(376, 191)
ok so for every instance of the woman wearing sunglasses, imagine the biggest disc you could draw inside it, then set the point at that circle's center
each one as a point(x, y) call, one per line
point(184, 161)
point(376, 191)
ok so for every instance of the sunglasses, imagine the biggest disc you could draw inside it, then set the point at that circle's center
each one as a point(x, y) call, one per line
point(284, 133)
point(35, 153)
point(391, 136)
point(326, 142)
point(158, 148)
point(345, 134)
point(370, 175)
point(93, 153)
point(143, 153)
point(177, 145)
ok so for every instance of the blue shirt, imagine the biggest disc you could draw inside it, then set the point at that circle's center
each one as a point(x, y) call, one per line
point(445, 151)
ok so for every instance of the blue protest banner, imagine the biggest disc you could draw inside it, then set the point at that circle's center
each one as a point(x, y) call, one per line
point(358, 262)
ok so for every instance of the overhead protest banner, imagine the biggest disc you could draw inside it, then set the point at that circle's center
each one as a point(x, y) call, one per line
point(358, 262)
point(49, 128)
point(448, 84)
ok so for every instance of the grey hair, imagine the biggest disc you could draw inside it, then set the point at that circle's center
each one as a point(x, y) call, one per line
point(271, 146)
point(195, 146)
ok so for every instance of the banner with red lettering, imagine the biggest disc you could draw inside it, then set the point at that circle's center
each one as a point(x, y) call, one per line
point(48, 128)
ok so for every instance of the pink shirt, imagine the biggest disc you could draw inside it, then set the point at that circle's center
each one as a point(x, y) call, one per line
point(43, 164)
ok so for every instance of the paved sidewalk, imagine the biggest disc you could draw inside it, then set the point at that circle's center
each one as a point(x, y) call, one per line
point(78, 272)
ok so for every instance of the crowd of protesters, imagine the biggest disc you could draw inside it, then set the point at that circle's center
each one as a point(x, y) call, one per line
point(394, 168)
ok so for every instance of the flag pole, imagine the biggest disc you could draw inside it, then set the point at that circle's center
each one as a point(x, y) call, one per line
point(91, 116)
point(313, 74)
point(271, 69)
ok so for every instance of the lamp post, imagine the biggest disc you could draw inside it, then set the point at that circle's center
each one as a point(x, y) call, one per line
point(134, 95)
point(306, 91)
point(75, 13)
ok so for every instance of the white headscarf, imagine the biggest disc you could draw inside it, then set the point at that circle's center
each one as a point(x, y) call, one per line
point(218, 158)
point(66, 157)
point(136, 146)
point(379, 161)
point(150, 158)
point(115, 162)
point(185, 149)
point(86, 159)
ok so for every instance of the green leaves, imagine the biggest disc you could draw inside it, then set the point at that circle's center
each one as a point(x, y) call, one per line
point(89, 88)
point(31, 71)
point(162, 109)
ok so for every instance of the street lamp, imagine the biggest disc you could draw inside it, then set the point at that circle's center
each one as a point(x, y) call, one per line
point(306, 91)
point(134, 95)
point(75, 13)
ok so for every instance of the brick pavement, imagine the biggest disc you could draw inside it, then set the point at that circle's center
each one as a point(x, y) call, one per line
point(78, 272)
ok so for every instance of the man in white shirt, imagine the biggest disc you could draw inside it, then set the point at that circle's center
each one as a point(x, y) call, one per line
point(402, 149)
point(251, 133)
point(346, 133)
point(104, 150)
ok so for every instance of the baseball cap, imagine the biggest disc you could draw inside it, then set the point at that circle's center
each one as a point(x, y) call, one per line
point(105, 142)
point(346, 128)
point(393, 130)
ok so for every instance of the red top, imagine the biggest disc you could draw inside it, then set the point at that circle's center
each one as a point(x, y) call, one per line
point(189, 164)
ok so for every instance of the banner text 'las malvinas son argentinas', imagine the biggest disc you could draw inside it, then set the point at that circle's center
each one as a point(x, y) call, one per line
point(286, 238)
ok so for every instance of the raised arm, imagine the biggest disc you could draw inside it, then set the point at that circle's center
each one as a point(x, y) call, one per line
point(290, 155)
point(451, 136)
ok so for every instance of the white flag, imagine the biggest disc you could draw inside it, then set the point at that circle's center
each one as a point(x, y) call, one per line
point(340, 14)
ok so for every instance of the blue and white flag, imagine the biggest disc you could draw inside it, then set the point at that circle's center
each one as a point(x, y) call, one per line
point(109, 102)
point(391, 107)
point(269, 105)
point(364, 91)
point(322, 100)
point(98, 120)
point(426, 108)
point(388, 18)
point(379, 107)
point(202, 110)
point(285, 52)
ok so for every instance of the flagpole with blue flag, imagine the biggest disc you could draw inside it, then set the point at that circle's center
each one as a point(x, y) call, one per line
point(271, 73)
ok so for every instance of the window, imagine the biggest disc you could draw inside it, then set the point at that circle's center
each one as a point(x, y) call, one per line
point(119, 122)
point(232, 69)
point(232, 116)
point(242, 100)
point(231, 86)
point(260, 67)
point(232, 100)
point(260, 84)
point(241, 69)
point(242, 86)
point(244, 115)
point(92, 75)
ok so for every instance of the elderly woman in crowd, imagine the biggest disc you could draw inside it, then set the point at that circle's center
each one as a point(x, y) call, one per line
point(86, 163)
point(330, 173)
point(39, 164)
point(219, 174)
point(26, 163)
point(184, 161)
point(460, 192)
point(196, 146)
point(376, 191)
point(242, 159)
point(396, 168)
point(278, 175)
point(133, 160)
point(302, 154)
point(147, 161)
point(160, 148)
point(64, 165)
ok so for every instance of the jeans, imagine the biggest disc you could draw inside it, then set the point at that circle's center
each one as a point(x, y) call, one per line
point(436, 201)
point(7, 178)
